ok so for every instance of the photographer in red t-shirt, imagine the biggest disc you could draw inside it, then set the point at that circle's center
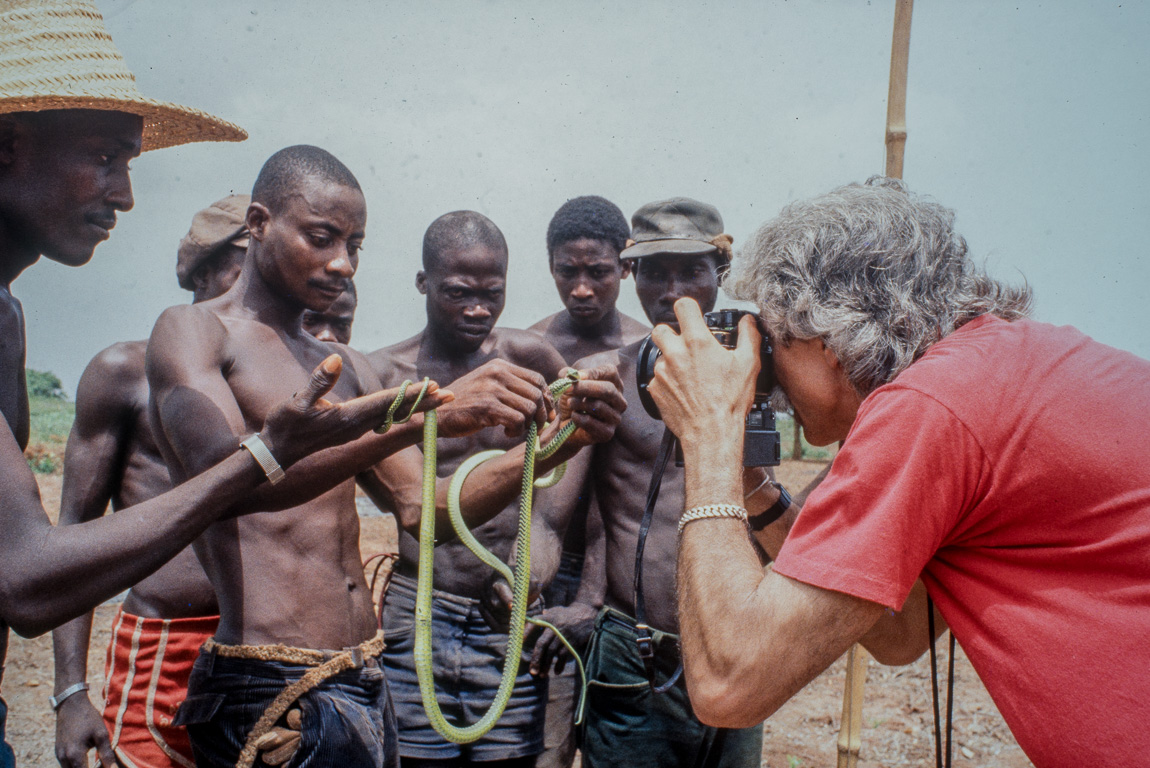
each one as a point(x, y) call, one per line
point(997, 464)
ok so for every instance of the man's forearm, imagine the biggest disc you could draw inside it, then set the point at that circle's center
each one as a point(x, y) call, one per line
point(320, 472)
point(70, 644)
point(53, 574)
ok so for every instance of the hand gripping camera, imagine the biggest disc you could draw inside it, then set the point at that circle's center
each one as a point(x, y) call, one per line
point(762, 446)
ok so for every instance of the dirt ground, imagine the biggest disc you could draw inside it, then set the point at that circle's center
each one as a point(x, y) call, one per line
point(897, 713)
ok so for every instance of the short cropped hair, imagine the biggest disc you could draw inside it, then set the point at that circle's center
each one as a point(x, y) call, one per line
point(876, 272)
point(457, 231)
point(285, 169)
point(590, 216)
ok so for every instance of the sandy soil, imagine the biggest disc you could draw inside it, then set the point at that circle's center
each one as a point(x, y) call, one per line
point(897, 715)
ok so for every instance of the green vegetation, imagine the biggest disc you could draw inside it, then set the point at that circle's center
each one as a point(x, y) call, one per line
point(52, 417)
point(44, 384)
point(786, 427)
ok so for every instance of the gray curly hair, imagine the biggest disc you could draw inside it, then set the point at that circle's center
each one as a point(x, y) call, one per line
point(876, 272)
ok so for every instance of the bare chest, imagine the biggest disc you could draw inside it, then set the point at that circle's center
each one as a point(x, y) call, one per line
point(263, 367)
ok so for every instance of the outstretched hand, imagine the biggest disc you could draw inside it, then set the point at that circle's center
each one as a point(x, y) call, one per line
point(701, 388)
point(308, 422)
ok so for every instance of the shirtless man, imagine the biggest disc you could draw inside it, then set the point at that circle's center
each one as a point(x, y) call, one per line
point(112, 457)
point(291, 585)
point(463, 277)
point(680, 251)
point(63, 178)
point(584, 240)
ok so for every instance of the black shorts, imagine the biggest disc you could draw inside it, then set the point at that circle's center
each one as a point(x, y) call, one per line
point(347, 719)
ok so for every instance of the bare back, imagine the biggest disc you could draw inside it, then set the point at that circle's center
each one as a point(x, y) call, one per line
point(292, 577)
point(621, 473)
point(112, 456)
point(457, 570)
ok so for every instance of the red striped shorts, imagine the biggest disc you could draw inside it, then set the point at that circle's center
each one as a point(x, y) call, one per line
point(147, 669)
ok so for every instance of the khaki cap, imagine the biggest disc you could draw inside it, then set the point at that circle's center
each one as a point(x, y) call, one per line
point(221, 223)
point(679, 225)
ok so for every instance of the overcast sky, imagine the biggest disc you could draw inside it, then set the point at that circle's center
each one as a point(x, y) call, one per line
point(1030, 119)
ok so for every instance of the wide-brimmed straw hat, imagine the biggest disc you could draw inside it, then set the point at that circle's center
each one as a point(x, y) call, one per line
point(56, 54)
point(678, 226)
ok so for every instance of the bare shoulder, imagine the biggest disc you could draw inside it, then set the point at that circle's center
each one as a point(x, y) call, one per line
point(545, 324)
point(529, 350)
point(114, 379)
point(187, 319)
point(632, 330)
point(393, 364)
point(123, 362)
point(185, 338)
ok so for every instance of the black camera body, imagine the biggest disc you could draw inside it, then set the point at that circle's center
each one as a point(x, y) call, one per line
point(762, 446)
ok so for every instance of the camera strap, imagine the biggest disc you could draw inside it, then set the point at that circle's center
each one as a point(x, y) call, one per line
point(934, 691)
point(643, 637)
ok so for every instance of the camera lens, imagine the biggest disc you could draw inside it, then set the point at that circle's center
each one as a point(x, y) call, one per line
point(644, 372)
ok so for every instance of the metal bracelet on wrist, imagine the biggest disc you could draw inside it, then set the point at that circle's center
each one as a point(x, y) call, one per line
point(67, 693)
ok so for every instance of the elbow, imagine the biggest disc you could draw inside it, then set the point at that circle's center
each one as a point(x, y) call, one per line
point(895, 655)
point(728, 703)
point(23, 612)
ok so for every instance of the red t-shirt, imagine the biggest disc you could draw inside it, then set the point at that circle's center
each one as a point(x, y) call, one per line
point(1009, 468)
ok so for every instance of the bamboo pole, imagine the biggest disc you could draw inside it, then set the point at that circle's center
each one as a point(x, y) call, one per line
point(850, 738)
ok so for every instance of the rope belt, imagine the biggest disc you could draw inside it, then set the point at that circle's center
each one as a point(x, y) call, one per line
point(325, 665)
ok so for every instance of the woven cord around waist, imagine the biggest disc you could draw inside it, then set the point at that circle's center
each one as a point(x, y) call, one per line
point(324, 665)
point(286, 654)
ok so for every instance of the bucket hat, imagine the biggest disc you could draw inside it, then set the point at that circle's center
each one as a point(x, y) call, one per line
point(57, 54)
point(221, 223)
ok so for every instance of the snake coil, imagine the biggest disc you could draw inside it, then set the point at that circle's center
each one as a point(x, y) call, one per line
point(520, 578)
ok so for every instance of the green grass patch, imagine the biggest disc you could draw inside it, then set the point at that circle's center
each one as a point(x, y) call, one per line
point(51, 422)
point(786, 427)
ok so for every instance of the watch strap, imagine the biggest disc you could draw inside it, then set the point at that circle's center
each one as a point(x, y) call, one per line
point(264, 458)
point(773, 512)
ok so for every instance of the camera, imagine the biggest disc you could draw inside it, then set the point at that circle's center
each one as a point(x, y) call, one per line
point(762, 446)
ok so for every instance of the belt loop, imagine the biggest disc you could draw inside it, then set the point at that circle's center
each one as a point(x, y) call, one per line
point(356, 654)
point(212, 653)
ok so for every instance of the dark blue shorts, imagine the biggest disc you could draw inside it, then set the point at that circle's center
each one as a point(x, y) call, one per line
point(347, 719)
point(468, 660)
point(7, 758)
point(626, 723)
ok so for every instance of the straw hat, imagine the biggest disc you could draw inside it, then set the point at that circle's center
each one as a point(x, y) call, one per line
point(56, 54)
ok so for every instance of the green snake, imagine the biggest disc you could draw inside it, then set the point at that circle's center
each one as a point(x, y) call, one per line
point(520, 579)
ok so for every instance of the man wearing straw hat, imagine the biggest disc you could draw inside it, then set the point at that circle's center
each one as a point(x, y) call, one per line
point(70, 120)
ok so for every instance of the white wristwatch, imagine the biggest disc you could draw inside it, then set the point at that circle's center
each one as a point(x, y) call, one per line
point(264, 458)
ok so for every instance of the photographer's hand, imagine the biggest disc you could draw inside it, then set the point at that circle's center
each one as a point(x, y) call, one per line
point(703, 390)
